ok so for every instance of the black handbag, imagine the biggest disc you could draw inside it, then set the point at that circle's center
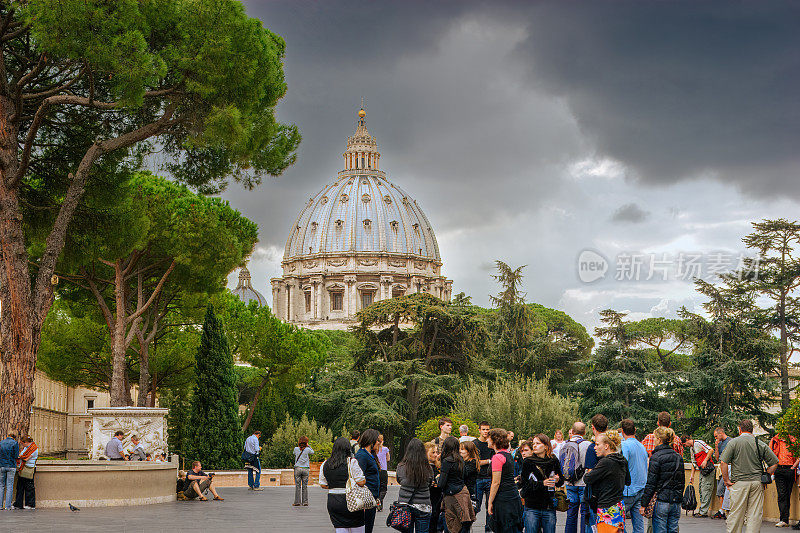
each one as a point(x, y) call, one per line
point(400, 517)
point(766, 478)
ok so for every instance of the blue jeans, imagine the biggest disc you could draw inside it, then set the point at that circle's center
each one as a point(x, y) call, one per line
point(577, 505)
point(7, 483)
point(632, 505)
point(254, 484)
point(665, 517)
point(484, 485)
point(537, 520)
point(420, 522)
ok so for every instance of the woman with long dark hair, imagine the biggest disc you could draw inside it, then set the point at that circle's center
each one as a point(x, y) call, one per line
point(367, 458)
point(414, 473)
point(472, 464)
point(504, 507)
point(541, 473)
point(459, 513)
point(333, 476)
point(302, 469)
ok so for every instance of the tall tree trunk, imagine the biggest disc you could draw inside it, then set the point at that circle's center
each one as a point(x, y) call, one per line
point(254, 402)
point(19, 325)
point(118, 368)
point(144, 376)
point(785, 400)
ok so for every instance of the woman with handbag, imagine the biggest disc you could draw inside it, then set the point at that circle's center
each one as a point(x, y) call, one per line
point(663, 492)
point(334, 475)
point(459, 513)
point(504, 507)
point(606, 483)
point(367, 458)
point(540, 475)
point(302, 469)
point(414, 473)
point(26, 467)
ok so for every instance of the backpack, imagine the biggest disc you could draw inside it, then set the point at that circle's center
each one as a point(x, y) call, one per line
point(689, 502)
point(571, 465)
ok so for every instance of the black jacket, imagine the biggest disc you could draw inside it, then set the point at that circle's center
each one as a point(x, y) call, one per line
point(607, 479)
point(536, 493)
point(451, 480)
point(665, 476)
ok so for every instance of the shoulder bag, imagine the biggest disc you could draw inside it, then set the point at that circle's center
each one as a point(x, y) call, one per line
point(358, 498)
point(400, 514)
point(766, 478)
point(297, 459)
point(27, 472)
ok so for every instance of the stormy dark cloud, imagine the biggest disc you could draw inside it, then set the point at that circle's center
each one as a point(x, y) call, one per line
point(630, 213)
point(530, 131)
point(679, 90)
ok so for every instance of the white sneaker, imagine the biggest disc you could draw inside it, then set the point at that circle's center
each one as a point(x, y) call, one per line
point(781, 524)
point(28, 507)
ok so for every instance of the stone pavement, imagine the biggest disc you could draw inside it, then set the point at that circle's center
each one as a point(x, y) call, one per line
point(242, 510)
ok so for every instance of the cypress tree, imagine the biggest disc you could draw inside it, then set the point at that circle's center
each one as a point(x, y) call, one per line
point(215, 435)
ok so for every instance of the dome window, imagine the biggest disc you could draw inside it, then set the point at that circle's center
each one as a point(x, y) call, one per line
point(339, 223)
point(324, 200)
point(387, 199)
point(364, 182)
point(394, 224)
point(344, 198)
point(365, 198)
point(367, 223)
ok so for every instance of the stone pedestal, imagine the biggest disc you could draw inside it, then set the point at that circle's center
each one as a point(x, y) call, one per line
point(149, 424)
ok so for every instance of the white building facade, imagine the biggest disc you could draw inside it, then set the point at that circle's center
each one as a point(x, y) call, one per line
point(359, 240)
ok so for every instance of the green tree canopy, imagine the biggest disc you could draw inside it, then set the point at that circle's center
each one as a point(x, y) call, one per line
point(88, 86)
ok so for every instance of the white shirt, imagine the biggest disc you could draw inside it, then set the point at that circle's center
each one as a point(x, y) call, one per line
point(251, 444)
point(355, 471)
point(465, 438)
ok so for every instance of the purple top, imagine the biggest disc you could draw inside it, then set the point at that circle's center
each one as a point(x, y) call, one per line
point(382, 458)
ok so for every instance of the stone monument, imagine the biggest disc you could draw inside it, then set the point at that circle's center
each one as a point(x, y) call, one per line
point(148, 423)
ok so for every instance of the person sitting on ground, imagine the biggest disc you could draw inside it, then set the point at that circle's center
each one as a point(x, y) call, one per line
point(138, 453)
point(198, 482)
point(114, 449)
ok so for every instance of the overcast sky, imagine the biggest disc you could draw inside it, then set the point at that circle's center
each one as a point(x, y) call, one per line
point(652, 134)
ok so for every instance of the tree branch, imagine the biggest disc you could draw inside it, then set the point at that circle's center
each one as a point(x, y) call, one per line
point(153, 296)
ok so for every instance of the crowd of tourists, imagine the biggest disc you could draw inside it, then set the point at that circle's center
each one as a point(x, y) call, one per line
point(599, 482)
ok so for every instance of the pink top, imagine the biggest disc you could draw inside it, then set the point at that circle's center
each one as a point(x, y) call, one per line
point(382, 458)
point(498, 460)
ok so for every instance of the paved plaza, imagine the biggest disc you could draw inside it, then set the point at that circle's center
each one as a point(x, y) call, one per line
point(242, 510)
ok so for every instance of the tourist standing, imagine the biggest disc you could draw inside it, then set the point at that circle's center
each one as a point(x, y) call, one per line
point(504, 504)
point(368, 461)
point(445, 429)
point(114, 449)
point(606, 481)
point(354, 435)
point(636, 455)
point(333, 476)
point(784, 477)
point(252, 456)
point(665, 480)
point(599, 426)
point(9, 452)
point(383, 462)
point(723, 492)
point(459, 513)
point(415, 475)
point(484, 482)
point(463, 431)
point(701, 453)
point(472, 461)
point(26, 468)
point(746, 455)
point(650, 441)
point(573, 466)
point(432, 453)
point(302, 471)
point(558, 440)
point(541, 473)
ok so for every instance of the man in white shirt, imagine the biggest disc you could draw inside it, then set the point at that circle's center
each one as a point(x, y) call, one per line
point(701, 459)
point(252, 450)
point(463, 430)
